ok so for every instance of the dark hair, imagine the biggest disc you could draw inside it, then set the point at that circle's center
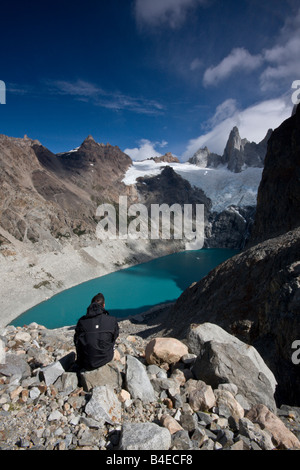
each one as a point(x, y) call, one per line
point(99, 299)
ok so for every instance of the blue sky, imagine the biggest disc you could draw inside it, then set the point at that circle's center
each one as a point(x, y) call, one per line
point(150, 76)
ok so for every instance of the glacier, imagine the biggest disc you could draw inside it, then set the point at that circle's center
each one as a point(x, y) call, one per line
point(222, 186)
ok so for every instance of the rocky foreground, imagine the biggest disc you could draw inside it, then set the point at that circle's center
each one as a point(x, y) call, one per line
point(208, 392)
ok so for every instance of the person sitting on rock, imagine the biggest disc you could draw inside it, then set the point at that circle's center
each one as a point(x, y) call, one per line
point(95, 336)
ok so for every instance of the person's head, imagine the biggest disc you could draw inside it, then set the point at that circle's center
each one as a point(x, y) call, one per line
point(99, 299)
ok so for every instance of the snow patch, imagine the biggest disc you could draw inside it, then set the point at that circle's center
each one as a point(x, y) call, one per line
point(222, 186)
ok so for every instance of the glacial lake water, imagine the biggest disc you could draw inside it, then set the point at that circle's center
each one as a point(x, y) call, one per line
point(129, 291)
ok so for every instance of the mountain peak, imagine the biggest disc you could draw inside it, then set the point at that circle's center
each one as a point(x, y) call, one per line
point(89, 138)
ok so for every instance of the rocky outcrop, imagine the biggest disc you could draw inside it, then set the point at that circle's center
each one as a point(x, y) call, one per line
point(205, 159)
point(238, 154)
point(278, 201)
point(227, 229)
point(170, 188)
point(167, 158)
point(45, 404)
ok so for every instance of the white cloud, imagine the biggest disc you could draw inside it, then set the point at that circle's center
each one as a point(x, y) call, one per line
point(253, 124)
point(115, 100)
point(239, 59)
point(282, 60)
point(280, 64)
point(170, 12)
point(224, 111)
point(78, 88)
point(145, 150)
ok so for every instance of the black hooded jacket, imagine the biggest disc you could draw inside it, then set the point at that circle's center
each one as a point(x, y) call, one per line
point(95, 336)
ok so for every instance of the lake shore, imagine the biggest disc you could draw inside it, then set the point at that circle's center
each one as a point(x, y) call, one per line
point(29, 277)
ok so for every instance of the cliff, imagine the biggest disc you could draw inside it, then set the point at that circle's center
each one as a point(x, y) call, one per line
point(278, 200)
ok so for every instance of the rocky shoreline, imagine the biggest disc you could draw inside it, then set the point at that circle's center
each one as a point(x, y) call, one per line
point(152, 396)
point(30, 277)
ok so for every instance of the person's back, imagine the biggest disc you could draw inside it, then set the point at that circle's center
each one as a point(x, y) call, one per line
point(95, 336)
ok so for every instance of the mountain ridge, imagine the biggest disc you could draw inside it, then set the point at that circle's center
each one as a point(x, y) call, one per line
point(238, 153)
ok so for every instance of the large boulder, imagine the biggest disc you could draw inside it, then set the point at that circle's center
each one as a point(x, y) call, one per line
point(220, 363)
point(104, 406)
point(137, 381)
point(109, 374)
point(169, 350)
point(282, 437)
point(200, 334)
point(144, 436)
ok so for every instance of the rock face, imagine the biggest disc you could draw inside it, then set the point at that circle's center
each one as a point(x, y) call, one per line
point(46, 196)
point(205, 159)
point(238, 154)
point(170, 188)
point(230, 228)
point(278, 207)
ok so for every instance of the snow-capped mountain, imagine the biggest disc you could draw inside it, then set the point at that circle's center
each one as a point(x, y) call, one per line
point(222, 186)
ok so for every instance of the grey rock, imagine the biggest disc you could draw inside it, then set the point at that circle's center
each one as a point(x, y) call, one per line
point(232, 388)
point(253, 432)
point(104, 405)
point(15, 365)
point(2, 352)
point(55, 416)
point(209, 444)
point(181, 441)
point(188, 421)
point(153, 369)
point(144, 436)
point(68, 382)
point(198, 336)
point(137, 381)
point(199, 436)
point(34, 393)
point(109, 374)
point(52, 372)
point(219, 363)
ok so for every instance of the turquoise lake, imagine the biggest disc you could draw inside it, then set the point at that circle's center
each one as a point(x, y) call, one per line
point(129, 291)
